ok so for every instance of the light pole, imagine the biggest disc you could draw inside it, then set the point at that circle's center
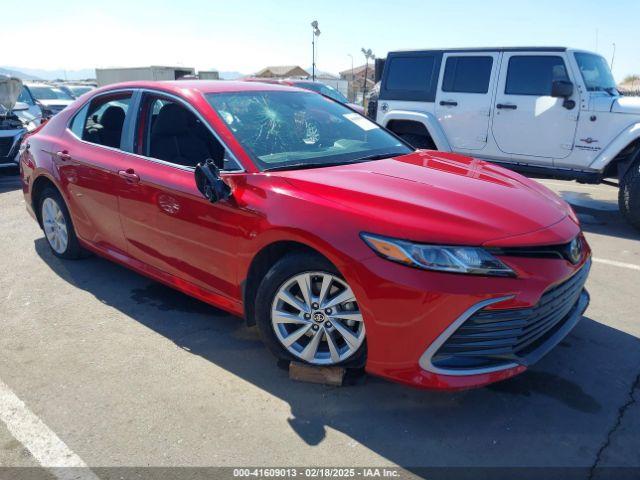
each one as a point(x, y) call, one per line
point(613, 55)
point(367, 55)
point(316, 33)
point(352, 77)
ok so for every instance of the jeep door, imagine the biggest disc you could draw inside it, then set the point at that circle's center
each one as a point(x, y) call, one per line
point(464, 99)
point(527, 119)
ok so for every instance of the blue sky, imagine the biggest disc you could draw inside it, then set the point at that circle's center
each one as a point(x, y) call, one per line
point(246, 35)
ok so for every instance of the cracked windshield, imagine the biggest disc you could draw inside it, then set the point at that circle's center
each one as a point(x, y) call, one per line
point(282, 130)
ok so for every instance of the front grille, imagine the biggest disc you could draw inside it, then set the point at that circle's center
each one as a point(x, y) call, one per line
point(5, 145)
point(491, 338)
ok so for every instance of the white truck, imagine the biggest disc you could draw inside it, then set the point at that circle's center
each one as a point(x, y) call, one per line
point(544, 111)
point(107, 76)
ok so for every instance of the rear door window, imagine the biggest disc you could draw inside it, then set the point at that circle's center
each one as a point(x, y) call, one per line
point(534, 74)
point(411, 76)
point(467, 74)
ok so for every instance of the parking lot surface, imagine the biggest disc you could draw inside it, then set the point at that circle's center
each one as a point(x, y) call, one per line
point(117, 370)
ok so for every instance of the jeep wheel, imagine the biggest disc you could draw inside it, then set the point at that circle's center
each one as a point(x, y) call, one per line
point(629, 195)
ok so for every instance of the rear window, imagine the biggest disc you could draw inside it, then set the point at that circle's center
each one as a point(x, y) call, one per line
point(534, 74)
point(411, 76)
point(467, 74)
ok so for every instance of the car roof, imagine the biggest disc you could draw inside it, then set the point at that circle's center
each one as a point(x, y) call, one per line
point(202, 86)
point(486, 49)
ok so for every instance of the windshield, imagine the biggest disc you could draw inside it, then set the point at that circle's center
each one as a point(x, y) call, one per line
point(44, 92)
point(297, 129)
point(324, 90)
point(79, 90)
point(595, 72)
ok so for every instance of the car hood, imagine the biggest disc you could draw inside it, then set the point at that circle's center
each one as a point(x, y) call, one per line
point(10, 88)
point(56, 102)
point(445, 198)
point(629, 105)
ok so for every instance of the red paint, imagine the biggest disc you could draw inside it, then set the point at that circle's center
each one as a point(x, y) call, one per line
point(162, 227)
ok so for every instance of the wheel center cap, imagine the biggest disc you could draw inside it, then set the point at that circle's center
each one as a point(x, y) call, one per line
point(318, 317)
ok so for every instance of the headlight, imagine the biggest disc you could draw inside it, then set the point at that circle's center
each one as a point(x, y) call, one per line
point(471, 260)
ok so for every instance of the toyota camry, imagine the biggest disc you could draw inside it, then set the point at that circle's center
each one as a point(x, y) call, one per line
point(342, 243)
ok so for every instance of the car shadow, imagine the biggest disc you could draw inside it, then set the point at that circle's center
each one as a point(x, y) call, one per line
point(9, 180)
point(572, 395)
point(599, 216)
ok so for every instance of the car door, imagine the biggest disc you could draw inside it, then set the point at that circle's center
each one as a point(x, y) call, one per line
point(528, 120)
point(167, 222)
point(464, 98)
point(90, 159)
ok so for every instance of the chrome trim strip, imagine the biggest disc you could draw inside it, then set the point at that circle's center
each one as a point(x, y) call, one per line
point(425, 358)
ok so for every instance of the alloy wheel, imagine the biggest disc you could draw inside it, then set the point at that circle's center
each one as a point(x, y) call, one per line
point(317, 319)
point(55, 225)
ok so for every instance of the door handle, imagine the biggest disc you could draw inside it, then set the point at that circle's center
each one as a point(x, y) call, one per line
point(506, 106)
point(63, 155)
point(448, 103)
point(129, 175)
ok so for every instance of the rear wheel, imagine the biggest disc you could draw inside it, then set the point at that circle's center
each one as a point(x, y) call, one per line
point(306, 311)
point(629, 195)
point(57, 226)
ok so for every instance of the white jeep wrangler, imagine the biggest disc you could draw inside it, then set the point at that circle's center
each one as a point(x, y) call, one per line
point(544, 111)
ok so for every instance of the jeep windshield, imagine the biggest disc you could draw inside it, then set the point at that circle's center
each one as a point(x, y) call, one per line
point(596, 73)
point(281, 129)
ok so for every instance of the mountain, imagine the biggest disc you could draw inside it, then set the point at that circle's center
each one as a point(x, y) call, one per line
point(231, 75)
point(16, 73)
point(40, 74)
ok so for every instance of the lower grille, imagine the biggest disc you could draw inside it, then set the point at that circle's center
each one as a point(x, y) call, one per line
point(490, 338)
point(5, 145)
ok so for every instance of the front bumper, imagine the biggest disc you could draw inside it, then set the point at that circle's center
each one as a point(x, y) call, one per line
point(411, 313)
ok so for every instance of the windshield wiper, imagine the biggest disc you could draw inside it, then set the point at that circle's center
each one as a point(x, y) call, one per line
point(300, 166)
point(378, 156)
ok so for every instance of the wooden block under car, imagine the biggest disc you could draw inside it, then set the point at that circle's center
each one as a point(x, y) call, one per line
point(312, 374)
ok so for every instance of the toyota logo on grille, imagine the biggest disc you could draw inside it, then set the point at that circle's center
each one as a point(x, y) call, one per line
point(575, 250)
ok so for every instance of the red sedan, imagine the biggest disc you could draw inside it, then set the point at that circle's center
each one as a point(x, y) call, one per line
point(342, 243)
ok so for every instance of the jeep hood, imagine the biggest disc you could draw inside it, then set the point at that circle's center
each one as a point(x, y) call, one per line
point(10, 88)
point(444, 198)
point(629, 105)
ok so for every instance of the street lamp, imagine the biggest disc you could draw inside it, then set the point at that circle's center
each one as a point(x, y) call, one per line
point(368, 54)
point(316, 33)
point(352, 79)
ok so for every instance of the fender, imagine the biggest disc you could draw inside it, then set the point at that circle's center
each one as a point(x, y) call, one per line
point(427, 119)
point(605, 157)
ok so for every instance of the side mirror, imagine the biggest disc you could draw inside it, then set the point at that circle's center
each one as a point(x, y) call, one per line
point(561, 89)
point(209, 182)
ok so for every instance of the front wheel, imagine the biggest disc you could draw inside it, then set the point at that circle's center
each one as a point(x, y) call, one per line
point(629, 195)
point(306, 311)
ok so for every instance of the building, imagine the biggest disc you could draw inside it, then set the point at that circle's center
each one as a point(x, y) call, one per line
point(106, 76)
point(355, 78)
point(285, 71)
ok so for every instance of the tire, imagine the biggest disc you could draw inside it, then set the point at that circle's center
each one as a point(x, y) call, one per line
point(57, 226)
point(629, 195)
point(318, 335)
point(418, 141)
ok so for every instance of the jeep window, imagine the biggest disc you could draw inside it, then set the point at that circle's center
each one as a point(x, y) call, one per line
point(467, 74)
point(533, 75)
point(595, 72)
point(410, 73)
point(282, 130)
